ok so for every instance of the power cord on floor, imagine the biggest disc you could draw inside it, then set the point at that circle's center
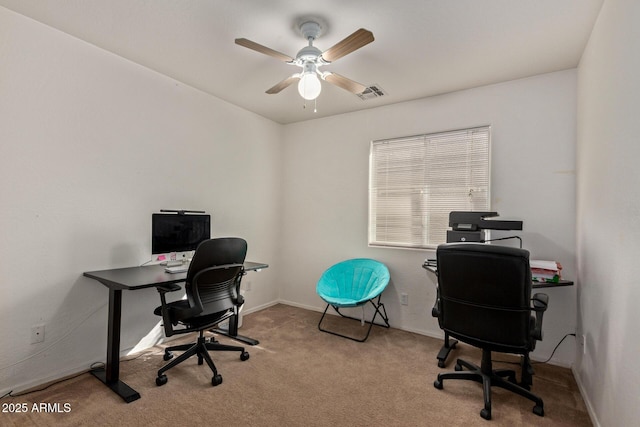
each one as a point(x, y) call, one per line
point(96, 366)
point(10, 393)
point(555, 348)
point(545, 361)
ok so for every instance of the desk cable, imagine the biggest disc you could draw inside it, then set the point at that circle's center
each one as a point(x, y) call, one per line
point(536, 362)
point(502, 238)
point(10, 393)
point(54, 343)
point(95, 366)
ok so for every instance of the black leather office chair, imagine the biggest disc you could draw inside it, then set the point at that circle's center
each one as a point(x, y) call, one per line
point(484, 299)
point(213, 295)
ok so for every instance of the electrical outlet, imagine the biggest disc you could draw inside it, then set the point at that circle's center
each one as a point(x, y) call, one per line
point(37, 334)
point(404, 298)
point(247, 285)
point(582, 342)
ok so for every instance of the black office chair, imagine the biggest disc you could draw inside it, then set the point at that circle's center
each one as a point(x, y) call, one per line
point(213, 295)
point(484, 299)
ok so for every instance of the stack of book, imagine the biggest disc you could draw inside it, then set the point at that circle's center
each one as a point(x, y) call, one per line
point(545, 271)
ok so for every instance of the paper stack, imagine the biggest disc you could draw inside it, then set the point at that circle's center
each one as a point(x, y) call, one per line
point(545, 271)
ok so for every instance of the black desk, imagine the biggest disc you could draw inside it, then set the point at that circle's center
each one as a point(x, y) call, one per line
point(430, 265)
point(133, 278)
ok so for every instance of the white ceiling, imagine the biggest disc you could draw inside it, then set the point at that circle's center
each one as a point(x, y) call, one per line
point(421, 47)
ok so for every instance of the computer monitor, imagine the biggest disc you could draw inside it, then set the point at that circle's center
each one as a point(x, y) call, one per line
point(178, 232)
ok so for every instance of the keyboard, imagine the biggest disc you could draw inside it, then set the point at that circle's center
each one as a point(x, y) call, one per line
point(177, 269)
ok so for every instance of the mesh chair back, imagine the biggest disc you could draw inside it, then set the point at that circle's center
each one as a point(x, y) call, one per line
point(484, 293)
point(214, 289)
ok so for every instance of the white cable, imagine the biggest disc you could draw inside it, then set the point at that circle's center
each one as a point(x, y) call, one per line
point(31, 356)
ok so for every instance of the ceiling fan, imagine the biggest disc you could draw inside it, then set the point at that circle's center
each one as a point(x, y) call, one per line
point(310, 59)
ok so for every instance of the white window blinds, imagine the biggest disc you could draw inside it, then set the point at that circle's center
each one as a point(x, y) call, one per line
point(414, 183)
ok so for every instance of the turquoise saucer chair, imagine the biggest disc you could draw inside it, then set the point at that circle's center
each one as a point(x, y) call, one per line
point(354, 283)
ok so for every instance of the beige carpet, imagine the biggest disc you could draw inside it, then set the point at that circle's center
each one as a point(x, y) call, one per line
point(299, 376)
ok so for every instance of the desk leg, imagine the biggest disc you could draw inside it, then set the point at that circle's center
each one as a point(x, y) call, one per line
point(111, 375)
point(232, 332)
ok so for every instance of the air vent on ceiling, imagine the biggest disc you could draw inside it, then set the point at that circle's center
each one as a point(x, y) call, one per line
point(373, 91)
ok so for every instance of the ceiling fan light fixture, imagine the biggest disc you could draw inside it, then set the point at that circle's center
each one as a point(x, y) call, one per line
point(309, 86)
point(310, 58)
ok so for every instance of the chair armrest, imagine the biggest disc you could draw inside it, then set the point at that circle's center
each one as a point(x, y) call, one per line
point(239, 298)
point(164, 308)
point(171, 287)
point(540, 303)
point(435, 311)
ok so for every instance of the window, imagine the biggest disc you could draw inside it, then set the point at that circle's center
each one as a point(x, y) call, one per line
point(414, 182)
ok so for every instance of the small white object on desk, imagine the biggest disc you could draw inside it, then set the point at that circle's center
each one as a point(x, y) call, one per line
point(177, 269)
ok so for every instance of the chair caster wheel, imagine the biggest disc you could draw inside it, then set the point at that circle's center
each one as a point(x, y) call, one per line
point(244, 356)
point(440, 363)
point(167, 356)
point(161, 380)
point(458, 367)
point(538, 410)
point(437, 384)
point(485, 413)
point(216, 380)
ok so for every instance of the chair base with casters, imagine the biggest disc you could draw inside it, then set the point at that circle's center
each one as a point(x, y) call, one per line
point(201, 349)
point(503, 378)
point(379, 309)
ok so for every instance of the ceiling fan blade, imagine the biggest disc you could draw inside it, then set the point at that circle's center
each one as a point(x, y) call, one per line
point(353, 42)
point(263, 49)
point(345, 83)
point(283, 84)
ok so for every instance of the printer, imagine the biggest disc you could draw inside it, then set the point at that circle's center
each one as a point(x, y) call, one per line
point(469, 226)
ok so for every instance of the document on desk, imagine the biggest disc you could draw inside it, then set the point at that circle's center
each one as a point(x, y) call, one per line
point(545, 271)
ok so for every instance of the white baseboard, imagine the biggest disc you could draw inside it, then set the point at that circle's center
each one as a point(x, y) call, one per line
point(42, 382)
point(585, 397)
point(321, 309)
point(295, 304)
point(259, 307)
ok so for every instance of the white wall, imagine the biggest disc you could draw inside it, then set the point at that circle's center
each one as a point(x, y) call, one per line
point(608, 214)
point(533, 157)
point(91, 145)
